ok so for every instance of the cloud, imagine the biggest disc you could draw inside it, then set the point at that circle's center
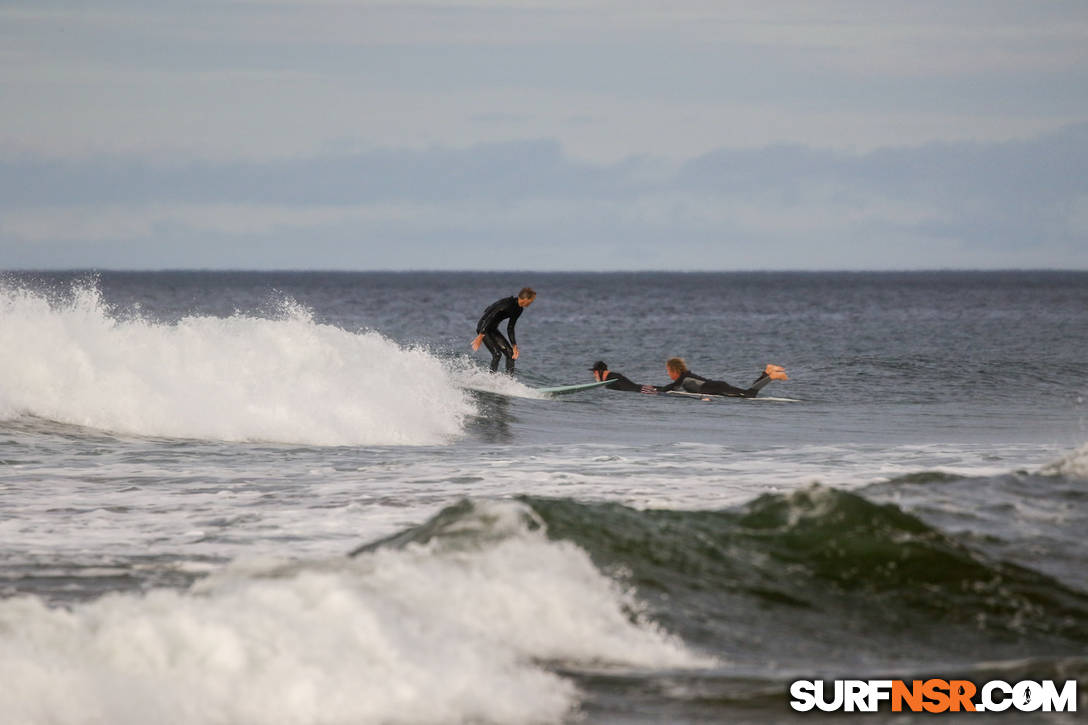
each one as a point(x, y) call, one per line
point(492, 171)
point(260, 80)
point(522, 204)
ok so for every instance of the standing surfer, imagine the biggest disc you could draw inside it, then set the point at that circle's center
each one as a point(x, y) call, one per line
point(487, 328)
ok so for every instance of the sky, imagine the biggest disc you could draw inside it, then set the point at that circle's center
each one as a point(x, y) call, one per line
point(544, 135)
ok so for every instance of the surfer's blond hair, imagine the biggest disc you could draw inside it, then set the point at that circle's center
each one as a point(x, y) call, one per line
point(676, 365)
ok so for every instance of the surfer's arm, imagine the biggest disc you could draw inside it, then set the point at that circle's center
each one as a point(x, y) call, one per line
point(678, 384)
point(514, 315)
point(624, 383)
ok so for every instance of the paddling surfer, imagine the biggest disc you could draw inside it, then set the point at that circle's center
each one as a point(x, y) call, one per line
point(683, 380)
point(622, 382)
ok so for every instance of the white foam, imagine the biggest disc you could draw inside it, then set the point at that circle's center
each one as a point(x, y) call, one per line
point(1073, 465)
point(470, 376)
point(238, 378)
point(427, 634)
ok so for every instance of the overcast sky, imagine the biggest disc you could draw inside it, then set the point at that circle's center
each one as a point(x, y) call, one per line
point(599, 134)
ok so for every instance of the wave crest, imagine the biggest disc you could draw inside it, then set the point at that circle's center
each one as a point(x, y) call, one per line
point(238, 378)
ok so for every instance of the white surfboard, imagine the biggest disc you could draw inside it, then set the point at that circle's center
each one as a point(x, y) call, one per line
point(711, 396)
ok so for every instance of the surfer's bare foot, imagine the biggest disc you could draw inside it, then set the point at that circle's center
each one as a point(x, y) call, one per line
point(776, 372)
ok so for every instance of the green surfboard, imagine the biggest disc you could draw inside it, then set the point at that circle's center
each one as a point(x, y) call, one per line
point(565, 389)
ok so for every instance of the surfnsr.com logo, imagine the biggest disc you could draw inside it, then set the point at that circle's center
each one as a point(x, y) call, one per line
point(933, 695)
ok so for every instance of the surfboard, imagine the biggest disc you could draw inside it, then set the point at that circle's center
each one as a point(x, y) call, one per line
point(564, 389)
point(711, 396)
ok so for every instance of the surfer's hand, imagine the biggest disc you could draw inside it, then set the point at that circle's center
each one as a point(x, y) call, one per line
point(477, 341)
point(649, 390)
point(516, 353)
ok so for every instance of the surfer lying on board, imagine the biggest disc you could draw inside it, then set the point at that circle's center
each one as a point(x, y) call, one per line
point(488, 328)
point(601, 373)
point(683, 380)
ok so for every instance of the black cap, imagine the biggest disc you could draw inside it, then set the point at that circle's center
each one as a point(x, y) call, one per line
point(599, 365)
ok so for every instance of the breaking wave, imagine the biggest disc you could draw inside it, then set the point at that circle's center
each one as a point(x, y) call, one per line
point(471, 622)
point(286, 379)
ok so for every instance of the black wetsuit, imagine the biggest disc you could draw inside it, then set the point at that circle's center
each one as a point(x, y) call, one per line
point(622, 383)
point(506, 308)
point(689, 382)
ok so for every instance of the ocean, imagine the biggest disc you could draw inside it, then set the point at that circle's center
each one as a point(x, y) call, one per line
point(256, 498)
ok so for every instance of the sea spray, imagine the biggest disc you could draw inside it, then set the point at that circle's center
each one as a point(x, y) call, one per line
point(285, 379)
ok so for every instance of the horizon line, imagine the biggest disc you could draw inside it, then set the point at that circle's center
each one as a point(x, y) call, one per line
point(327, 270)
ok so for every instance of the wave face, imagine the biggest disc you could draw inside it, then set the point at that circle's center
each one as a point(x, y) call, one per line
point(465, 620)
point(836, 577)
point(237, 378)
